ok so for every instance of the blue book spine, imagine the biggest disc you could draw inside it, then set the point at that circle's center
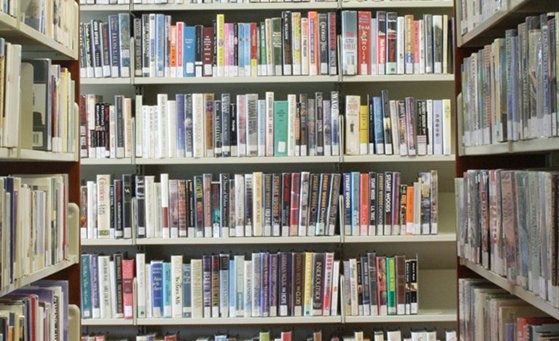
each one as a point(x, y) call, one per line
point(226, 124)
point(232, 288)
point(159, 45)
point(189, 50)
point(94, 287)
point(355, 187)
point(167, 300)
point(157, 289)
point(378, 123)
point(181, 116)
point(86, 286)
point(186, 293)
point(224, 285)
point(124, 42)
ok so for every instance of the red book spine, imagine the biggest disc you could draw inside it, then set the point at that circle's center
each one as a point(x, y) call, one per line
point(207, 52)
point(173, 47)
point(180, 58)
point(294, 209)
point(128, 287)
point(381, 41)
point(253, 49)
point(364, 42)
point(416, 47)
point(364, 204)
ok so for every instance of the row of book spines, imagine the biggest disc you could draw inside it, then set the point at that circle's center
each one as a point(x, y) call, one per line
point(250, 126)
point(378, 204)
point(399, 127)
point(512, 111)
point(108, 279)
point(111, 135)
point(392, 44)
point(290, 204)
point(221, 286)
point(492, 202)
point(379, 285)
point(105, 47)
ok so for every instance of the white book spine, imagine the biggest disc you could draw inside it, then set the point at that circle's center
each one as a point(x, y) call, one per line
point(335, 288)
point(103, 206)
point(240, 267)
point(104, 287)
point(400, 45)
point(296, 42)
point(257, 208)
point(176, 286)
point(141, 285)
point(148, 291)
point(421, 34)
point(247, 288)
point(172, 129)
point(353, 287)
point(239, 205)
point(196, 288)
point(304, 46)
point(91, 214)
point(429, 104)
point(162, 105)
point(150, 205)
point(269, 123)
point(112, 285)
point(291, 116)
point(447, 150)
point(198, 125)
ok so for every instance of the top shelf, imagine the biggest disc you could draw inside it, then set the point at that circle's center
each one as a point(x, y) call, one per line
point(513, 13)
point(371, 4)
point(33, 41)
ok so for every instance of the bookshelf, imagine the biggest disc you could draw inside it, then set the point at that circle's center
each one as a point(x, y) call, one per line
point(21, 159)
point(428, 247)
point(521, 154)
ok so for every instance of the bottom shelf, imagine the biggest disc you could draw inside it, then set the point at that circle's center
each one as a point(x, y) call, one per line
point(516, 290)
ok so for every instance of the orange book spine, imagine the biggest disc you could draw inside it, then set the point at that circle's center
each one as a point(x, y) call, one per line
point(409, 210)
point(364, 204)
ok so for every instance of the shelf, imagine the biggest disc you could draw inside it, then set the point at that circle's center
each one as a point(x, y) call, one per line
point(104, 8)
point(106, 81)
point(4, 153)
point(238, 6)
point(106, 162)
point(7, 22)
point(107, 242)
point(108, 322)
point(41, 274)
point(490, 149)
point(238, 321)
point(500, 21)
point(240, 160)
point(239, 241)
point(436, 238)
point(399, 78)
point(397, 4)
point(397, 158)
point(526, 146)
point(520, 292)
point(424, 316)
point(39, 155)
point(35, 42)
point(236, 80)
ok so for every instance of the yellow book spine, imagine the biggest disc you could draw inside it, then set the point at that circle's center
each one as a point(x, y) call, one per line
point(220, 45)
point(308, 284)
point(363, 129)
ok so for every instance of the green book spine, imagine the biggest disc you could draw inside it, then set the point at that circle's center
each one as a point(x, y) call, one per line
point(391, 284)
point(280, 128)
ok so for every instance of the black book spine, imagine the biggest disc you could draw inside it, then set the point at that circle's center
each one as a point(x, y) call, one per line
point(332, 44)
point(372, 200)
point(145, 45)
point(226, 125)
point(88, 60)
point(359, 286)
point(233, 139)
point(371, 123)
point(303, 123)
point(314, 184)
point(319, 125)
point(265, 288)
point(323, 202)
point(215, 285)
point(218, 133)
point(225, 204)
point(318, 284)
point(207, 285)
point(183, 212)
point(268, 204)
point(284, 276)
point(199, 206)
point(236, 47)
point(118, 277)
point(119, 106)
point(285, 203)
point(112, 205)
point(334, 204)
point(188, 129)
point(106, 114)
point(127, 205)
point(299, 282)
point(96, 45)
point(365, 285)
point(104, 27)
point(119, 228)
point(380, 203)
point(191, 204)
point(388, 202)
point(287, 47)
point(115, 46)
point(198, 59)
point(140, 212)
